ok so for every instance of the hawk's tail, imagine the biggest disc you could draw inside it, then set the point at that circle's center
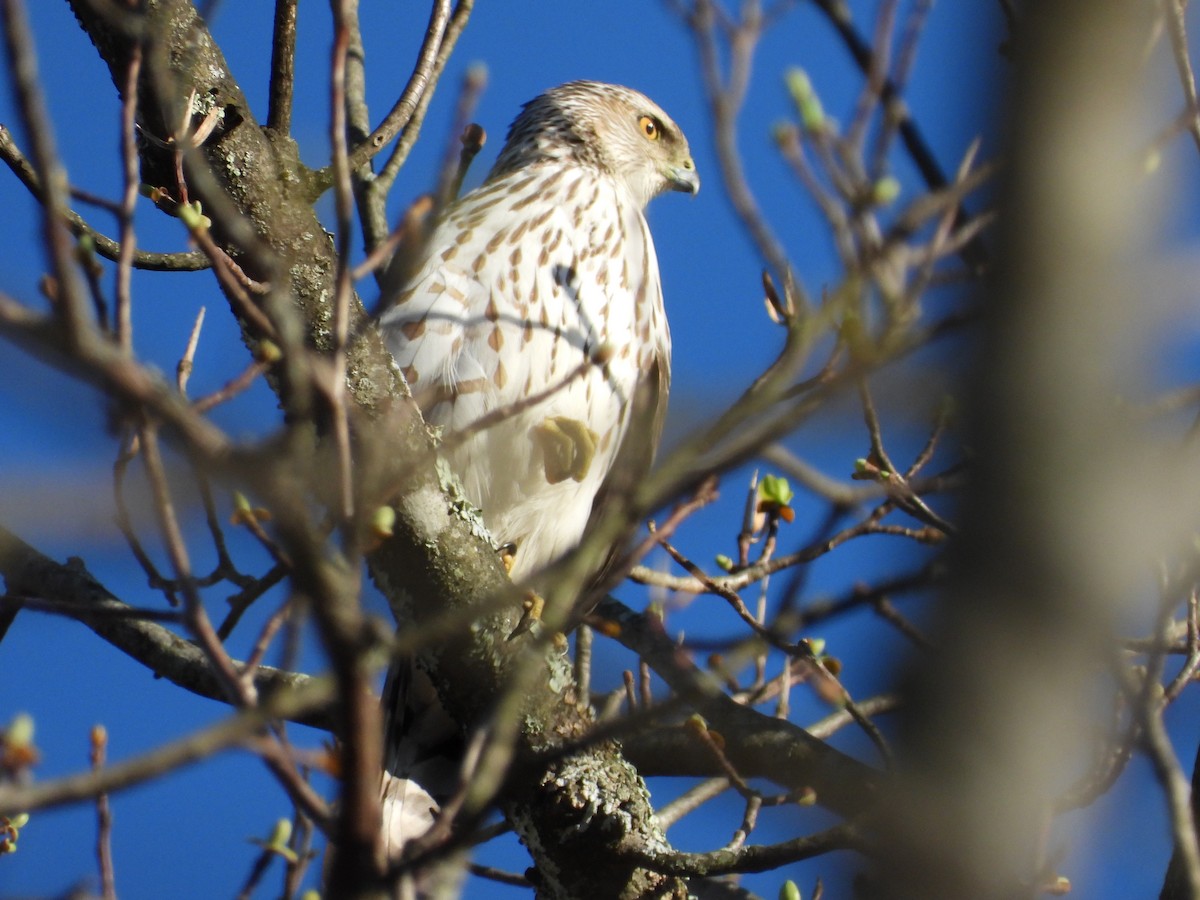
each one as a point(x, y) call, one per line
point(421, 752)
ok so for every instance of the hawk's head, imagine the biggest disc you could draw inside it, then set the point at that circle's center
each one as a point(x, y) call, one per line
point(612, 128)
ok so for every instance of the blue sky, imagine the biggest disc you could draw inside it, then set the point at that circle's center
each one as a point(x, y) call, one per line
point(55, 454)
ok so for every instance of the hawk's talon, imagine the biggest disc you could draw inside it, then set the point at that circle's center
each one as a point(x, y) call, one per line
point(533, 605)
point(568, 447)
point(508, 556)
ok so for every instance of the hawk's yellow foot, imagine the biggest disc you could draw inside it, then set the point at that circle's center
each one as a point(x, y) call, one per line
point(568, 447)
point(533, 606)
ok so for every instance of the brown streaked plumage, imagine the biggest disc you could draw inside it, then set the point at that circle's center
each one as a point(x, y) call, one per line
point(548, 260)
point(553, 265)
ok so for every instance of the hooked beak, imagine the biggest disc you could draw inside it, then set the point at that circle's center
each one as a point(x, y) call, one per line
point(683, 177)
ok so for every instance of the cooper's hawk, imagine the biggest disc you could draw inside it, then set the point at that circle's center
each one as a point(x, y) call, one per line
point(544, 280)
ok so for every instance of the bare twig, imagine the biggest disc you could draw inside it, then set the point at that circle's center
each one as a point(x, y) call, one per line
point(129, 195)
point(838, 14)
point(888, 611)
point(183, 370)
point(31, 106)
point(1178, 790)
point(70, 609)
point(757, 571)
point(1191, 665)
point(408, 236)
point(198, 746)
point(99, 741)
point(1177, 28)
point(29, 573)
point(583, 661)
point(232, 388)
point(780, 750)
point(691, 800)
point(467, 140)
point(499, 876)
point(725, 97)
point(876, 72)
point(421, 81)
point(262, 644)
point(906, 498)
point(301, 845)
point(836, 721)
point(239, 693)
point(343, 204)
point(905, 56)
point(427, 75)
point(242, 600)
point(752, 859)
point(129, 451)
point(257, 870)
point(283, 67)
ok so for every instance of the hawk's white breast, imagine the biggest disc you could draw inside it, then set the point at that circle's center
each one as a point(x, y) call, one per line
point(525, 280)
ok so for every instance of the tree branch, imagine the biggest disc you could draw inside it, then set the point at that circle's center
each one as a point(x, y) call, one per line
point(28, 572)
point(754, 743)
point(233, 731)
point(189, 261)
point(755, 858)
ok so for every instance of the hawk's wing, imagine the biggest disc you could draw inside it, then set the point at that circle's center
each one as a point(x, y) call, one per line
point(633, 461)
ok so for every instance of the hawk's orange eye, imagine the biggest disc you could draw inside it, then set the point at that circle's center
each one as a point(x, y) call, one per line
point(649, 127)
